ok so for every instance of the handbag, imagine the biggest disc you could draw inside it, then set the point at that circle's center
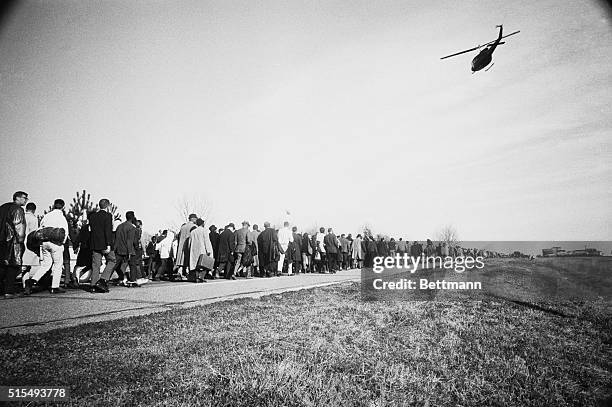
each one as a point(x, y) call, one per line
point(205, 263)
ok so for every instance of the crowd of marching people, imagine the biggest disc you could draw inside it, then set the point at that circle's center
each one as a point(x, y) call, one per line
point(39, 252)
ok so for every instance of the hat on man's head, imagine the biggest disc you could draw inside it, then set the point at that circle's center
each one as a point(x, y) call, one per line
point(246, 223)
point(193, 216)
point(212, 228)
point(231, 225)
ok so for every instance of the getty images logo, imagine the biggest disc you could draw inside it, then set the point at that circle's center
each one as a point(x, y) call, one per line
point(412, 263)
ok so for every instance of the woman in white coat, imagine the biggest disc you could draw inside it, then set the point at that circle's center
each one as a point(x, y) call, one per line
point(199, 244)
point(357, 252)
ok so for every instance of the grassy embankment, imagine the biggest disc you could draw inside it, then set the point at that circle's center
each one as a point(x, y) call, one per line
point(326, 347)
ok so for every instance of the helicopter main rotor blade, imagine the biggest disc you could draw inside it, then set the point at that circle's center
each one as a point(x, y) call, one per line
point(475, 48)
point(462, 52)
point(491, 42)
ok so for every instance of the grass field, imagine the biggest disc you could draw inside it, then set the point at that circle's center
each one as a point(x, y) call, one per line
point(327, 347)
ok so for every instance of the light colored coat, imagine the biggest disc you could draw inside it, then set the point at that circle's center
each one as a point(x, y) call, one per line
point(285, 236)
point(252, 237)
point(199, 244)
point(183, 235)
point(165, 246)
point(357, 252)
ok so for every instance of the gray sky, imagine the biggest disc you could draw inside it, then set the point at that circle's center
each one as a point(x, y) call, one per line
point(341, 112)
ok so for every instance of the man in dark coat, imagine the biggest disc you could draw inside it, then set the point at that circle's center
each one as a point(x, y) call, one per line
point(307, 251)
point(296, 250)
point(70, 281)
point(101, 245)
point(125, 246)
point(214, 241)
point(331, 248)
point(139, 249)
point(12, 242)
point(414, 250)
point(227, 246)
point(252, 237)
point(241, 241)
point(383, 247)
point(345, 247)
point(371, 251)
point(81, 248)
point(267, 245)
point(153, 256)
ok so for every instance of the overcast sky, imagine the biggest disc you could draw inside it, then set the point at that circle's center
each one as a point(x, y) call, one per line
point(339, 111)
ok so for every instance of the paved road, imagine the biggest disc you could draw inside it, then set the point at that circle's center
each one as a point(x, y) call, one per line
point(43, 312)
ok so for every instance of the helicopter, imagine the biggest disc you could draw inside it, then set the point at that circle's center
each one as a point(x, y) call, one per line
point(485, 56)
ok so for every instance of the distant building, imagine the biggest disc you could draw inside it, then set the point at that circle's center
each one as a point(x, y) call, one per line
point(553, 251)
point(585, 252)
point(559, 252)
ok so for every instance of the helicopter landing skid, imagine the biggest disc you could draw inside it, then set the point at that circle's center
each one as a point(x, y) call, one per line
point(490, 66)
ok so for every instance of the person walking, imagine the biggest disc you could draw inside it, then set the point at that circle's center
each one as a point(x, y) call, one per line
point(345, 247)
point(81, 248)
point(214, 241)
point(164, 247)
point(125, 249)
point(52, 251)
point(267, 245)
point(182, 253)
point(357, 251)
point(31, 260)
point(253, 235)
point(306, 253)
point(319, 252)
point(227, 246)
point(101, 244)
point(296, 250)
point(240, 242)
point(401, 247)
point(371, 251)
point(332, 250)
point(285, 237)
point(12, 238)
point(200, 244)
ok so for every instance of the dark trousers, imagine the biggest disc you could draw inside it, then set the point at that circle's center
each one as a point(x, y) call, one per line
point(126, 260)
point(369, 259)
point(149, 266)
point(319, 265)
point(227, 268)
point(216, 260)
point(67, 272)
point(332, 261)
point(8, 275)
point(162, 269)
point(345, 260)
point(153, 266)
point(273, 267)
point(118, 269)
